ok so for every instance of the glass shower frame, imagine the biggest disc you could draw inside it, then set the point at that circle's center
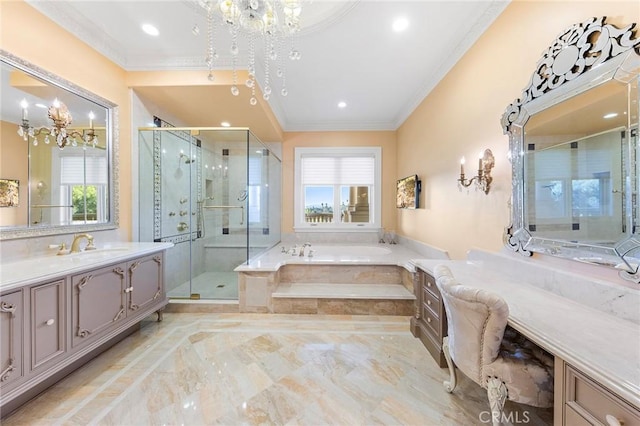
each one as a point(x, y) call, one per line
point(216, 195)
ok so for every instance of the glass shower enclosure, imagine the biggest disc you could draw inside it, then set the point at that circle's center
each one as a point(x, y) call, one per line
point(215, 194)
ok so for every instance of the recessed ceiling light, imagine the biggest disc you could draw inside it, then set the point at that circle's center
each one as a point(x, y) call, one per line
point(610, 115)
point(342, 104)
point(225, 124)
point(41, 105)
point(400, 24)
point(150, 29)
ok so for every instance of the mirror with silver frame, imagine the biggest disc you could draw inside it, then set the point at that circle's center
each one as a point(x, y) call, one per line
point(58, 144)
point(573, 139)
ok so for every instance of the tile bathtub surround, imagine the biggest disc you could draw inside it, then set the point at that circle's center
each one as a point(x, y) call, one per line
point(265, 369)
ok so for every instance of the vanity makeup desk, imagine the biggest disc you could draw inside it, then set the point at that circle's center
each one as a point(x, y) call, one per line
point(597, 354)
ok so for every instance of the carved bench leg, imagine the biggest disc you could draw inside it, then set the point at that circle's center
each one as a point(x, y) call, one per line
point(159, 312)
point(449, 385)
point(497, 393)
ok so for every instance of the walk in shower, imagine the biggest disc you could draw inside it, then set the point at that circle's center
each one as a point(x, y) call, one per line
point(215, 194)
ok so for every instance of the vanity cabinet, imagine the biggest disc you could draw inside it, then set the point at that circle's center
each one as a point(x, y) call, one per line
point(50, 328)
point(98, 301)
point(582, 401)
point(145, 282)
point(429, 322)
point(103, 297)
point(47, 323)
point(11, 346)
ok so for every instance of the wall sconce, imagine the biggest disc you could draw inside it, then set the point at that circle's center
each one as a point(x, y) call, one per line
point(483, 179)
point(61, 117)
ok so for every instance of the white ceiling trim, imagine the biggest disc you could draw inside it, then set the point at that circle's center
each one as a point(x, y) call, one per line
point(341, 126)
point(74, 22)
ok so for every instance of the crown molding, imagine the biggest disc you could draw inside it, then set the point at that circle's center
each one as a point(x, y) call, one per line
point(74, 22)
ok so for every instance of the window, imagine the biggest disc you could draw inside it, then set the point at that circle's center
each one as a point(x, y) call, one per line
point(337, 188)
point(83, 185)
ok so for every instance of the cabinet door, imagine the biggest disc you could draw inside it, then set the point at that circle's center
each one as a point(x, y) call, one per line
point(48, 323)
point(98, 301)
point(145, 282)
point(11, 322)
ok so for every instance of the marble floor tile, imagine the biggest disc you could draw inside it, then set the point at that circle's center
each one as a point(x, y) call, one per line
point(254, 369)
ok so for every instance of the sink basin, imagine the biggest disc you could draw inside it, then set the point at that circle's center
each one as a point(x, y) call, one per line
point(100, 253)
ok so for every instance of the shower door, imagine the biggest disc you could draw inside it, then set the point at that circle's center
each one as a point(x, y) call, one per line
point(214, 193)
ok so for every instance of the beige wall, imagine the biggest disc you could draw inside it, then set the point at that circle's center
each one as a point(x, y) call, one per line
point(29, 35)
point(14, 166)
point(385, 140)
point(462, 115)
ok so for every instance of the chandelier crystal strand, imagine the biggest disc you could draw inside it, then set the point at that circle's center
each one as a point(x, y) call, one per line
point(282, 67)
point(211, 52)
point(251, 82)
point(273, 20)
point(251, 64)
point(267, 88)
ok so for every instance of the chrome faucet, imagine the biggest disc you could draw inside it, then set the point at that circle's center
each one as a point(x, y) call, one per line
point(75, 245)
point(305, 245)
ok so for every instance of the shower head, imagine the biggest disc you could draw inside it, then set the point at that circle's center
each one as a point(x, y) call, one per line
point(188, 159)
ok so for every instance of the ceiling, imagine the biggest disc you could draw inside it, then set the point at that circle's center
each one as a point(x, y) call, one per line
point(349, 53)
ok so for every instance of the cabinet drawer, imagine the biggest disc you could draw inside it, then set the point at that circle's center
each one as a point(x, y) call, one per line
point(48, 323)
point(431, 302)
point(430, 286)
point(594, 403)
point(432, 321)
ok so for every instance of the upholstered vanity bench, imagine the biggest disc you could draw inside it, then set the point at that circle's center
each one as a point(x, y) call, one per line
point(58, 312)
point(596, 354)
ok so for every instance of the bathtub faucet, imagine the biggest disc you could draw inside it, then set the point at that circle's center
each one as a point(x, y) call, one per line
point(305, 245)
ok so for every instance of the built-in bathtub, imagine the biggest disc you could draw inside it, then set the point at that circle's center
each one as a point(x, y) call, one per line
point(331, 279)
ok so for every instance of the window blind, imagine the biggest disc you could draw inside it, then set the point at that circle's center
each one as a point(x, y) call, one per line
point(73, 170)
point(338, 170)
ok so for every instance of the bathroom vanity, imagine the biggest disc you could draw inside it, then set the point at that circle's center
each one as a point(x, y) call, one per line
point(595, 348)
point(58, 312)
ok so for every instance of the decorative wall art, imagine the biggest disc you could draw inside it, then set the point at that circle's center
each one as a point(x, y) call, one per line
point(408, 192)
point(9, 192)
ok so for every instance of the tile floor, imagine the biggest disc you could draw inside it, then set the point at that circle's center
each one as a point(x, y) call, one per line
point(254, 369)
point(209, 285)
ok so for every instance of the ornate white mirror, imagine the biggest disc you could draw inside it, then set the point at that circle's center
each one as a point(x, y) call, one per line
point(57, 144)
point(573, 139)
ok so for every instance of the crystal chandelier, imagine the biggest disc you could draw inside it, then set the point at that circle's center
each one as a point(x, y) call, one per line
point(60, 132)
point(274, 22)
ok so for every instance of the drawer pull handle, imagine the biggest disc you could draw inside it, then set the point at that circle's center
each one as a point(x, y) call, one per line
point(612, 421)
point(428, 319)
point(50, 322)
point(429, 302)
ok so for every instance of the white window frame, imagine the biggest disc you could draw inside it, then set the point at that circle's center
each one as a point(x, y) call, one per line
point(375, 196)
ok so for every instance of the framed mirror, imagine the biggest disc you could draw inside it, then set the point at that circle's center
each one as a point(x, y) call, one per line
point(58, 149)
point(573, 139)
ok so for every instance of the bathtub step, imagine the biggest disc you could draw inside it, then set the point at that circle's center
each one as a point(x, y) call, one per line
point(342, 299)
point(342, 291)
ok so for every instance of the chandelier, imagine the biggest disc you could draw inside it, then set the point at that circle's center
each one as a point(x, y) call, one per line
point(274, 22)
point(60, 132)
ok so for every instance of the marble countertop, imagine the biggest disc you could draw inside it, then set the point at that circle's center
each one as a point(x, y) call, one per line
point(357, 254)
point(38, 268)
point(603, 346)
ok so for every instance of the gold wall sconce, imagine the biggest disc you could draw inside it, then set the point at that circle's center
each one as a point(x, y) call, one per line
point(483, 179)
